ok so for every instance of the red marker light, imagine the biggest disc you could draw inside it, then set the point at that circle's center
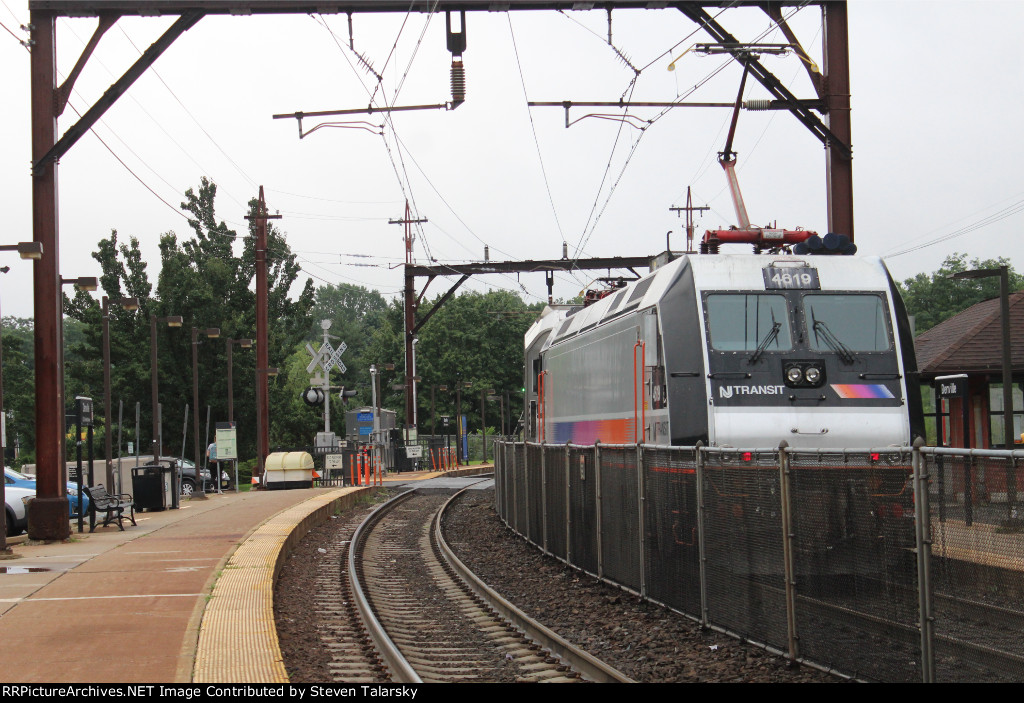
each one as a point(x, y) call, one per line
point(874, 457)
point(747, 456)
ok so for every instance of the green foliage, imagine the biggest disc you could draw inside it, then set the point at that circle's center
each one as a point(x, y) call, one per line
point(933, 298)
point(475, 338)
point(19, 388)
point(207, 279)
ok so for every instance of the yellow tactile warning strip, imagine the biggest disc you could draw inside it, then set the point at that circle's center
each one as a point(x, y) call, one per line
point(237, 638)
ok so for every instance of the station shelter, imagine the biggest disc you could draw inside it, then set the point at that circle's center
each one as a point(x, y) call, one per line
point(970, 345)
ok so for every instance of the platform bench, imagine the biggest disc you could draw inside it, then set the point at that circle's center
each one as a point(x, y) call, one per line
point(112, 507)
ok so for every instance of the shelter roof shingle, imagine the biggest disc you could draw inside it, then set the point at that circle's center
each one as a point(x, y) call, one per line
point(972, 341)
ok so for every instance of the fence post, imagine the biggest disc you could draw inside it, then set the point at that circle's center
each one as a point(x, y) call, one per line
point(922, 522)
point(499, 476)
point(702, 557)
point(640, 508)
point(568, 510)
point(787, 549)
point(543, 500)
point(600, 498)
point(529, 503)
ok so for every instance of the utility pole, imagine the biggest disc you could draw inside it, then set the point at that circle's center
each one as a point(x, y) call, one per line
point(262, 344)
point(689, 209)
point(410, 317)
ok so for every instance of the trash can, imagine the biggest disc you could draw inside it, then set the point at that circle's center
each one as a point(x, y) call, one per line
point(154, 486)
point(289, 470)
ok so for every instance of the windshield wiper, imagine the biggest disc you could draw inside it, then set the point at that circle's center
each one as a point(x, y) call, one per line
point(769, 337)
point(833, 343)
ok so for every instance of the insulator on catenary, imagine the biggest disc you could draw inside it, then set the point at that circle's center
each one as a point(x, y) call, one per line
point(757, 104)
point(458, 82)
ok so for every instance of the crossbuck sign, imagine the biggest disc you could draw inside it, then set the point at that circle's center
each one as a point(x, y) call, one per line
point(326, 357)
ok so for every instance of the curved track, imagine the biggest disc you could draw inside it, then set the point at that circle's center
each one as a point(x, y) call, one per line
point(353, 658)
point(428, 625)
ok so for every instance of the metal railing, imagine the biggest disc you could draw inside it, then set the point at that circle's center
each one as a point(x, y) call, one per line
point(889, 564)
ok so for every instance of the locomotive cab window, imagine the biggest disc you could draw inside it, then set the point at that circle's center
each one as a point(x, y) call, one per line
point(854, 322)
point(748, 322)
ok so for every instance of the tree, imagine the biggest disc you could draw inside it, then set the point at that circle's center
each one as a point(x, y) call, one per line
point(475, 338)
point(207, 279)
point(934, 298)
point(19, 389)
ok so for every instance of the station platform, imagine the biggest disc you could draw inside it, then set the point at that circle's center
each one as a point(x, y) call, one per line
point(184, 596)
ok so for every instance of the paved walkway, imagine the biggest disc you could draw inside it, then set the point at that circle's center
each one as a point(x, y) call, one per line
point(128, 607)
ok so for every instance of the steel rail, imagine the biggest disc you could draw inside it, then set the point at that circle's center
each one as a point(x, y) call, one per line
point(581, 661)
point(399, 668)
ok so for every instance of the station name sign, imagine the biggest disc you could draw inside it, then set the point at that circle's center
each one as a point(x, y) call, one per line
point(951, 386)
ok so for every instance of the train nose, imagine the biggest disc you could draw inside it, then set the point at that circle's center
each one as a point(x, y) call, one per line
point(826, 428)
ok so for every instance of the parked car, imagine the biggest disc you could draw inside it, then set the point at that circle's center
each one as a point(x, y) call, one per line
point(20, 480)
point(17, 515)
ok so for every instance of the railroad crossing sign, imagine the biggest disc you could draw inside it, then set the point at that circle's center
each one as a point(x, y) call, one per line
point(326, 357)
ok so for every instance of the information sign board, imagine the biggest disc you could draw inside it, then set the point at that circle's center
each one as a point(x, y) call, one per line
point(227, 441)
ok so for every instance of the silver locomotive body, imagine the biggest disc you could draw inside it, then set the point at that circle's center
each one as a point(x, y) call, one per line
point(732, 351)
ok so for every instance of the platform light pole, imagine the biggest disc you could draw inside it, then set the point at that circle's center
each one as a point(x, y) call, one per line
point(27, 250)
point(211, 333)
point(82, 283)
point(373, 396)
point(262, 445)
point(1004, 313)
point(172, 321)
point(244, 344)
point(460, 428)
point(433, 408)
point(129, 304)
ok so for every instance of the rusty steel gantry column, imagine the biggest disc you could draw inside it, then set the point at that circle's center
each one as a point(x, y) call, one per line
point(839, 166)
point(48, 513)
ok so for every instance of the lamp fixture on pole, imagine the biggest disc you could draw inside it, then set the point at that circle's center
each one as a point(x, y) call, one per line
point(171, 321)
point(128, 304)
point(1004, 313)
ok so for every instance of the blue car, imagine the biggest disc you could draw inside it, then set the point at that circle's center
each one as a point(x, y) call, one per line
point(20, 480)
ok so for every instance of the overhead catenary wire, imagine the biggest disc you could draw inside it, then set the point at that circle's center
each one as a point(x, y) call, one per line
point(995, 217)
point(533, 129)
point(593, 225)
point(152, 69)
point(107, 146)
point(401, 174)
point(397, 156)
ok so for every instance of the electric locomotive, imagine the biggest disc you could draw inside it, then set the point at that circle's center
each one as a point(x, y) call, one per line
point(732, 351)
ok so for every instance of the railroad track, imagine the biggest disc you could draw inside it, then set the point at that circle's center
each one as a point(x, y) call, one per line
point(353, 658)
point(429, 626)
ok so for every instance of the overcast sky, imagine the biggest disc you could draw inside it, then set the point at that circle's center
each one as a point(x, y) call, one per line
point(937, 96)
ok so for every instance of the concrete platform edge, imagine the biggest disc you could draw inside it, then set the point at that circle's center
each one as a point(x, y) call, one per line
point(236, 638)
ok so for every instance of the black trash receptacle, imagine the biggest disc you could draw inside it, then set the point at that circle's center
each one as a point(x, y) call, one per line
point(147, 491)
point(153, 486)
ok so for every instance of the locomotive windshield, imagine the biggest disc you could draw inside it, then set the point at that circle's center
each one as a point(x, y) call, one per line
point(846, 323)
point(748, 322)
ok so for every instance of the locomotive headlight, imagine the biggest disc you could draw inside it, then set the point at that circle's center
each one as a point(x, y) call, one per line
point(812, 374)
point(794, 374)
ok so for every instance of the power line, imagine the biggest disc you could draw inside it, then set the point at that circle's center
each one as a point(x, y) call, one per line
point(995, 217)
point(533, 130)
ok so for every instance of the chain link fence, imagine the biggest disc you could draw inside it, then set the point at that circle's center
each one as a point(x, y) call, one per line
point(884, 565)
